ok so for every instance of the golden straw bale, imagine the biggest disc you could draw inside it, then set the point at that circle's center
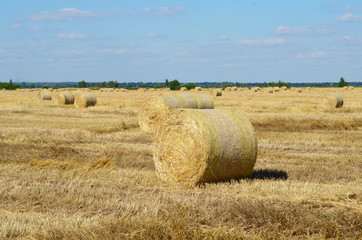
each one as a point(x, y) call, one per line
point(154, 110)
point(196, 146)
point(234, 88)
point(183, 89)
point(151, 89)
point(141, 89)
point(215, 92)
point(196, 89)
point(345, 88)
point(228, 89)
point(255, 89)
point(334, 100)
point(44, 95)
point(270, 90)
point(350, 87)
point(85, 99)
point(276, 89)
point(64, 98)
point(124, 90)
point(299, 90)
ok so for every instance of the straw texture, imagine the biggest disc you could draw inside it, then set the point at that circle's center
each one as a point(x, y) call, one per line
point(197, 146)
point(154, 110)
point(83, 100)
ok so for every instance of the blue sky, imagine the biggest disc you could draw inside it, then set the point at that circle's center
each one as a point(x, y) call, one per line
point(192, 41)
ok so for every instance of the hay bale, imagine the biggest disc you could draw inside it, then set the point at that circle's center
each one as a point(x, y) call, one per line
point(124, 90)
point(196, 89)
point(228, 89)
point(350, 87)
point(64, 98)
point(215, 92)
point(197, 146)
point(183, 89)
point(334, 100)
point(276, 89)
point(234, 88)
point(284, 88)
point(255, 89)
point(44, 95)
point(151, 89)
point(154, 110)
point(345, 88)
point(83, 100)
point(299, 90)
point(141, 89)
point(270, 90)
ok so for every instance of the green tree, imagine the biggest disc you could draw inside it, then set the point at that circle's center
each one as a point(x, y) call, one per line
point(189, 86)
point(175, 85)
point(342, 83)
point(82, 84)
point(32, 85)
point(166, 83)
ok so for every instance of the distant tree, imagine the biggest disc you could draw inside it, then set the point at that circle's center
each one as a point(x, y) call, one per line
point(166, 83)
point(159, 85)
point(142, 85)
point(55, 86)
point(342, 83)
point(45, 86)
point(83, 84)
point(175, 85)
point(32, 85)
point(189, 86)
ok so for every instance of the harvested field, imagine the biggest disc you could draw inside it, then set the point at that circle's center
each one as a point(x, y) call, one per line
point(68, 173)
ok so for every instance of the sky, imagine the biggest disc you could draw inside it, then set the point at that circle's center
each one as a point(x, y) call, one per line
point(192, 41)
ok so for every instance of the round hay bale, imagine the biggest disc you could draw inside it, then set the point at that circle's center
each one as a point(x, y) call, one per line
point(234, 88)
point(196, 89)
point(141, 89)
point(276, 89)
point(154, 110)
point(198, 146)
point(85, 99)
point(124, 90)
point(216, 92)
point(299, 90)
point(183, 89)
point(151, 89)
point(270, 90)
point(334, 100)
point(255, 89)
point(44, 95)
point(64, 98)
point(350, 87)
point(228, 89)
point(345, 88)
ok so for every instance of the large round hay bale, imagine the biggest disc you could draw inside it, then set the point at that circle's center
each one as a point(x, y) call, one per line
point(276, 89)
point(85, 99)
point(154, 110)
point(183, 89)
point(299, 90)
point(234, 88)
point(227, 89)
point(334, 100)
point(64, 98)
point(196, 89)
point(197, 146)
point(345, 88)
point(270, 90)
point(44, 95)
point(350, 87)
point(124, 90)
point(255, 89)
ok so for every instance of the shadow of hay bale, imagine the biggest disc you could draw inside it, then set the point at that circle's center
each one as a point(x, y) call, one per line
point(269, 174)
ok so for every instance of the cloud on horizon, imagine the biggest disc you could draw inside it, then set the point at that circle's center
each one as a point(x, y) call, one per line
point(163, 11)
point(71, 35)
point(316, 54)
point(276, 41)
point(285, 30)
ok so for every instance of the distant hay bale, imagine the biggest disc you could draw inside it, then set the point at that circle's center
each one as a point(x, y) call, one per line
point(154, 110)
point(198, 146)
point(124, 90)
point(141, 89)
point(276, 89)
point(183, 89)
point(308, 88)
point(299, 90)
point(215, 92)
point(284, 88)
point(234, 88)
point(270, 90)
point(350, 87)
point(246, 88)
point(3, 89)
point(228, 89)
point(196, 89)
point(44, 95)
point(334, 100)
point(83, 100)
point(151, 89)
point(345, 88)
point(255, 89)
point(64, 98)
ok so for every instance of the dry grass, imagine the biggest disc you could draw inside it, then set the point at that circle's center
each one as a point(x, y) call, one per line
point(67, 173)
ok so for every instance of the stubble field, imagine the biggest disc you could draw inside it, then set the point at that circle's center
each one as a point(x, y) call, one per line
point(69, 173)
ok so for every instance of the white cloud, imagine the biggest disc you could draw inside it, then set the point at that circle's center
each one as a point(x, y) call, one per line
point(15, 26)
point(163, 11)
point(262, 42)
point(223, 37)
point(123, 51)
point(347, 37)
point(316, 54)
point(155, 35)
point(71, 35)
point(66, 14)
point(348, 17)
point(285, 30)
